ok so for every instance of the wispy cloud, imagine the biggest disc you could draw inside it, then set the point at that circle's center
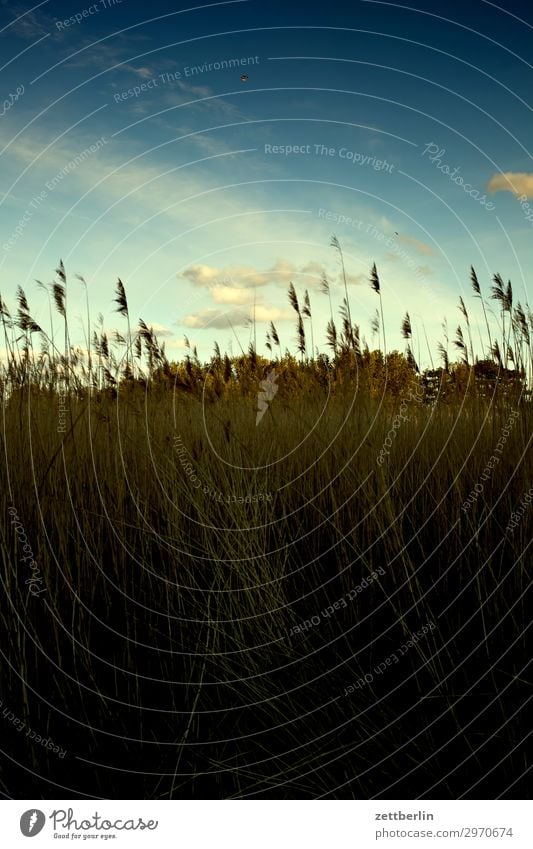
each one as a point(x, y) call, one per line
point(419, 246)
point(313, 268)
point(355, 279)
point(143, 179)
point(144, 73)
point(196, 90)
point(30, 25)
point(103, 56)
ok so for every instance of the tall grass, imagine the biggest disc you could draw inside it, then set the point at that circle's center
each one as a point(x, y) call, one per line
point(161, 652)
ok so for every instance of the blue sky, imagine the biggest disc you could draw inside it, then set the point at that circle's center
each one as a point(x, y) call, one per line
point(207, 195)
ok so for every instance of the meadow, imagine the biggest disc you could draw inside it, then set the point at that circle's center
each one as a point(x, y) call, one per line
point(284, 576)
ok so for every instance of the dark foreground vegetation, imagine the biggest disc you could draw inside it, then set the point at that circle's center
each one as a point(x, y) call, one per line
point(196, 605)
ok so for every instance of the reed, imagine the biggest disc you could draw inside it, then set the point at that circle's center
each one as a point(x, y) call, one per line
point(180, 544)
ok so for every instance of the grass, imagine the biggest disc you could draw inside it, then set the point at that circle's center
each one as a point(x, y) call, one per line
point(160, 654)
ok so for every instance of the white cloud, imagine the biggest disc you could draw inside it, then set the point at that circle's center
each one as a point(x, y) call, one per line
point(231, 295)
point(210, 317)
point(160, 330)
point(281, 274)
point(201, 275)
point(266, 313)
point(178, 344)
point(237, 317)
point(145, 73)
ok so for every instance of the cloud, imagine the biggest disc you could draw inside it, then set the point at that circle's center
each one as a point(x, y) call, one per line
point(382, 223)
point(201, 275)
point(142, 181)
point(354, 279)
point(145, 73)
point(31, 25)
point(178, 344)
point(215, 318)
point(419, 246)
point(231, 295)
point(314, 269)
point(517, 182)
point(265, 313)
point(169, 95)
point(102, 55)
point(198, 90)
point(280, 274)
point(207, 145)
point(224, 320)
point(160, 330)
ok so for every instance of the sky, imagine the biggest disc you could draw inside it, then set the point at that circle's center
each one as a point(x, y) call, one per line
point(130, 148)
